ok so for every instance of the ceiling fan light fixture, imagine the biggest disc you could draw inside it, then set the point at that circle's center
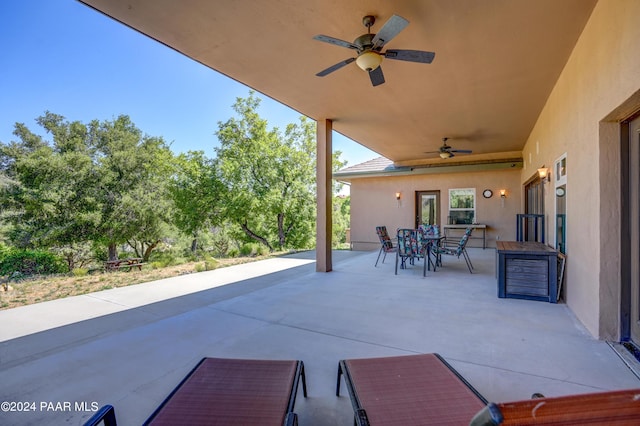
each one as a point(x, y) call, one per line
point(445, 155)
point(369, 60)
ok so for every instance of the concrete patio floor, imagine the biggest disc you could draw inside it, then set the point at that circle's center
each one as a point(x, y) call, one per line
point(131, 346)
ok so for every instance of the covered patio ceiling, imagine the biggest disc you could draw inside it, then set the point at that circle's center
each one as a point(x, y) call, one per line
point(496, 63)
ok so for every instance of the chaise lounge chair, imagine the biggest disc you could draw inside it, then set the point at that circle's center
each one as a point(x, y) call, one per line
point(229, 392)
point(425, 390)
point(408, 390)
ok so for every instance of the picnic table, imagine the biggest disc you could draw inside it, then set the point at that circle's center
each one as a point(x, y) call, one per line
point(131, 262)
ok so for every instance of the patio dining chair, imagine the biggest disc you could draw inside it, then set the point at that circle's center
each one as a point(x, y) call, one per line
point(410, 248)
point(430, 230)
point(385, 242)
point(458, 250)
point(229, 391)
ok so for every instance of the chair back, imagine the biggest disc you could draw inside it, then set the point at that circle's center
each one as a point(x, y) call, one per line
point(383, 235)
point(407, 242)
point(462, 244)
point(421, 233)
point(430, 230)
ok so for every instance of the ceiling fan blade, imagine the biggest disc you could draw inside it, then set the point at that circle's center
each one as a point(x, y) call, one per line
point(335, 41)
point(410, 55)
point(376, 76)
point(335, 67)
point(462, 151)
point(389, 30)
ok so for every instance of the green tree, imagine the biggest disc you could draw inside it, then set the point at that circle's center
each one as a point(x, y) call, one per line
point(103, 181)
point(341, 219)
point(48, 201)
point(197, 194)
point(256, 167)
point(269, 176)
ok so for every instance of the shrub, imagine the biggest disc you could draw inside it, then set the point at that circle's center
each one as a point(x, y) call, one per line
point(157, 265)
point(233, 252)
point(167, 258)
point(30, 262)
point(210, 264)
point(79, 272)
point(263, 250)
point(249, 249)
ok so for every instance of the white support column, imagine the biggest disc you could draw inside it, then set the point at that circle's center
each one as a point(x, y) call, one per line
point(324, 194)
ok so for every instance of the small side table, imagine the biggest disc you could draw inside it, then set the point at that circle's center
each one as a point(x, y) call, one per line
point(527, 270)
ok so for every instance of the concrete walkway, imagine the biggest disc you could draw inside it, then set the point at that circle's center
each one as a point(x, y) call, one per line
point(131, 346)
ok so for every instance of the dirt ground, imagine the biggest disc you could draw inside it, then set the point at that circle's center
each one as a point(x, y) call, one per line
point(56, 287)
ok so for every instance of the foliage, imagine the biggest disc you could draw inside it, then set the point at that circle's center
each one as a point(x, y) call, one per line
point(102, 181)
point(341, 219)
point(249, 249)
point(269, 177)
point(21, 263)
point(197, 194)
point(99, 188)
point(209, 264)
point(79, 272)
point(221, 241)
point(76, 255)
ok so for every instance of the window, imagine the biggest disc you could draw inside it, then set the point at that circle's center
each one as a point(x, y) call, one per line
point(561, 170)
point(462, 206)
point(561, 202)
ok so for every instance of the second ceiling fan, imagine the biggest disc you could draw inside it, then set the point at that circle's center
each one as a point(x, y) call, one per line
point(447, 151)
point(369, 49)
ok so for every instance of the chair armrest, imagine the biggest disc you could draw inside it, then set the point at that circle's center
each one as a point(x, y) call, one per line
point(488, 416)
point(361, 417)
point(291, 419)
point(106, 414)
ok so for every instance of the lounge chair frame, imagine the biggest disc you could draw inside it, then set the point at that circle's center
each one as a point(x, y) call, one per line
point(290, 418)
point(468, 394)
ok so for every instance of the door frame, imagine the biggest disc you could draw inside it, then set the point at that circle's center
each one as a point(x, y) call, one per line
point(418, 205)
point(630, 232)
point(538, 208)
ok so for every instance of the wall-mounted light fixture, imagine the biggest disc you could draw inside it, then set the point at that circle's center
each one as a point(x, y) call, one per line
point(543, 172)
point(503, 193)
point(398, 197)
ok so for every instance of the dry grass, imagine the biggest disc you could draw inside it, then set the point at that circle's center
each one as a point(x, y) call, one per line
point(56, 287)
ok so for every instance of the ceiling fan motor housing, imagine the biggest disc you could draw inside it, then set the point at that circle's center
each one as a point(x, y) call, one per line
point(364, 42)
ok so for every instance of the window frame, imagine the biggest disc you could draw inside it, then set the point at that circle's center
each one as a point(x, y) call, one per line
point(472, 192)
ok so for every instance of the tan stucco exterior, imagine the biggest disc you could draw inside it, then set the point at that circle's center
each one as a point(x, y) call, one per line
point(594, 91)
point(373, 203)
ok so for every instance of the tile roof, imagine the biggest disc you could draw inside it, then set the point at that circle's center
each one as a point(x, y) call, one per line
point(379, 164)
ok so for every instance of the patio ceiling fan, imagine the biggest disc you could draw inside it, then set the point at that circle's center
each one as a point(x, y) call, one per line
point(369, 49)
point(447, 151)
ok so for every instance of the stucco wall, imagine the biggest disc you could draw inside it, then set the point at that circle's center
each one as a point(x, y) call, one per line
point(373, 203)
point(601, 75)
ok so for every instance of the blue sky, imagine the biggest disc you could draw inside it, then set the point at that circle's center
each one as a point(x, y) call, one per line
point(61, 56)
